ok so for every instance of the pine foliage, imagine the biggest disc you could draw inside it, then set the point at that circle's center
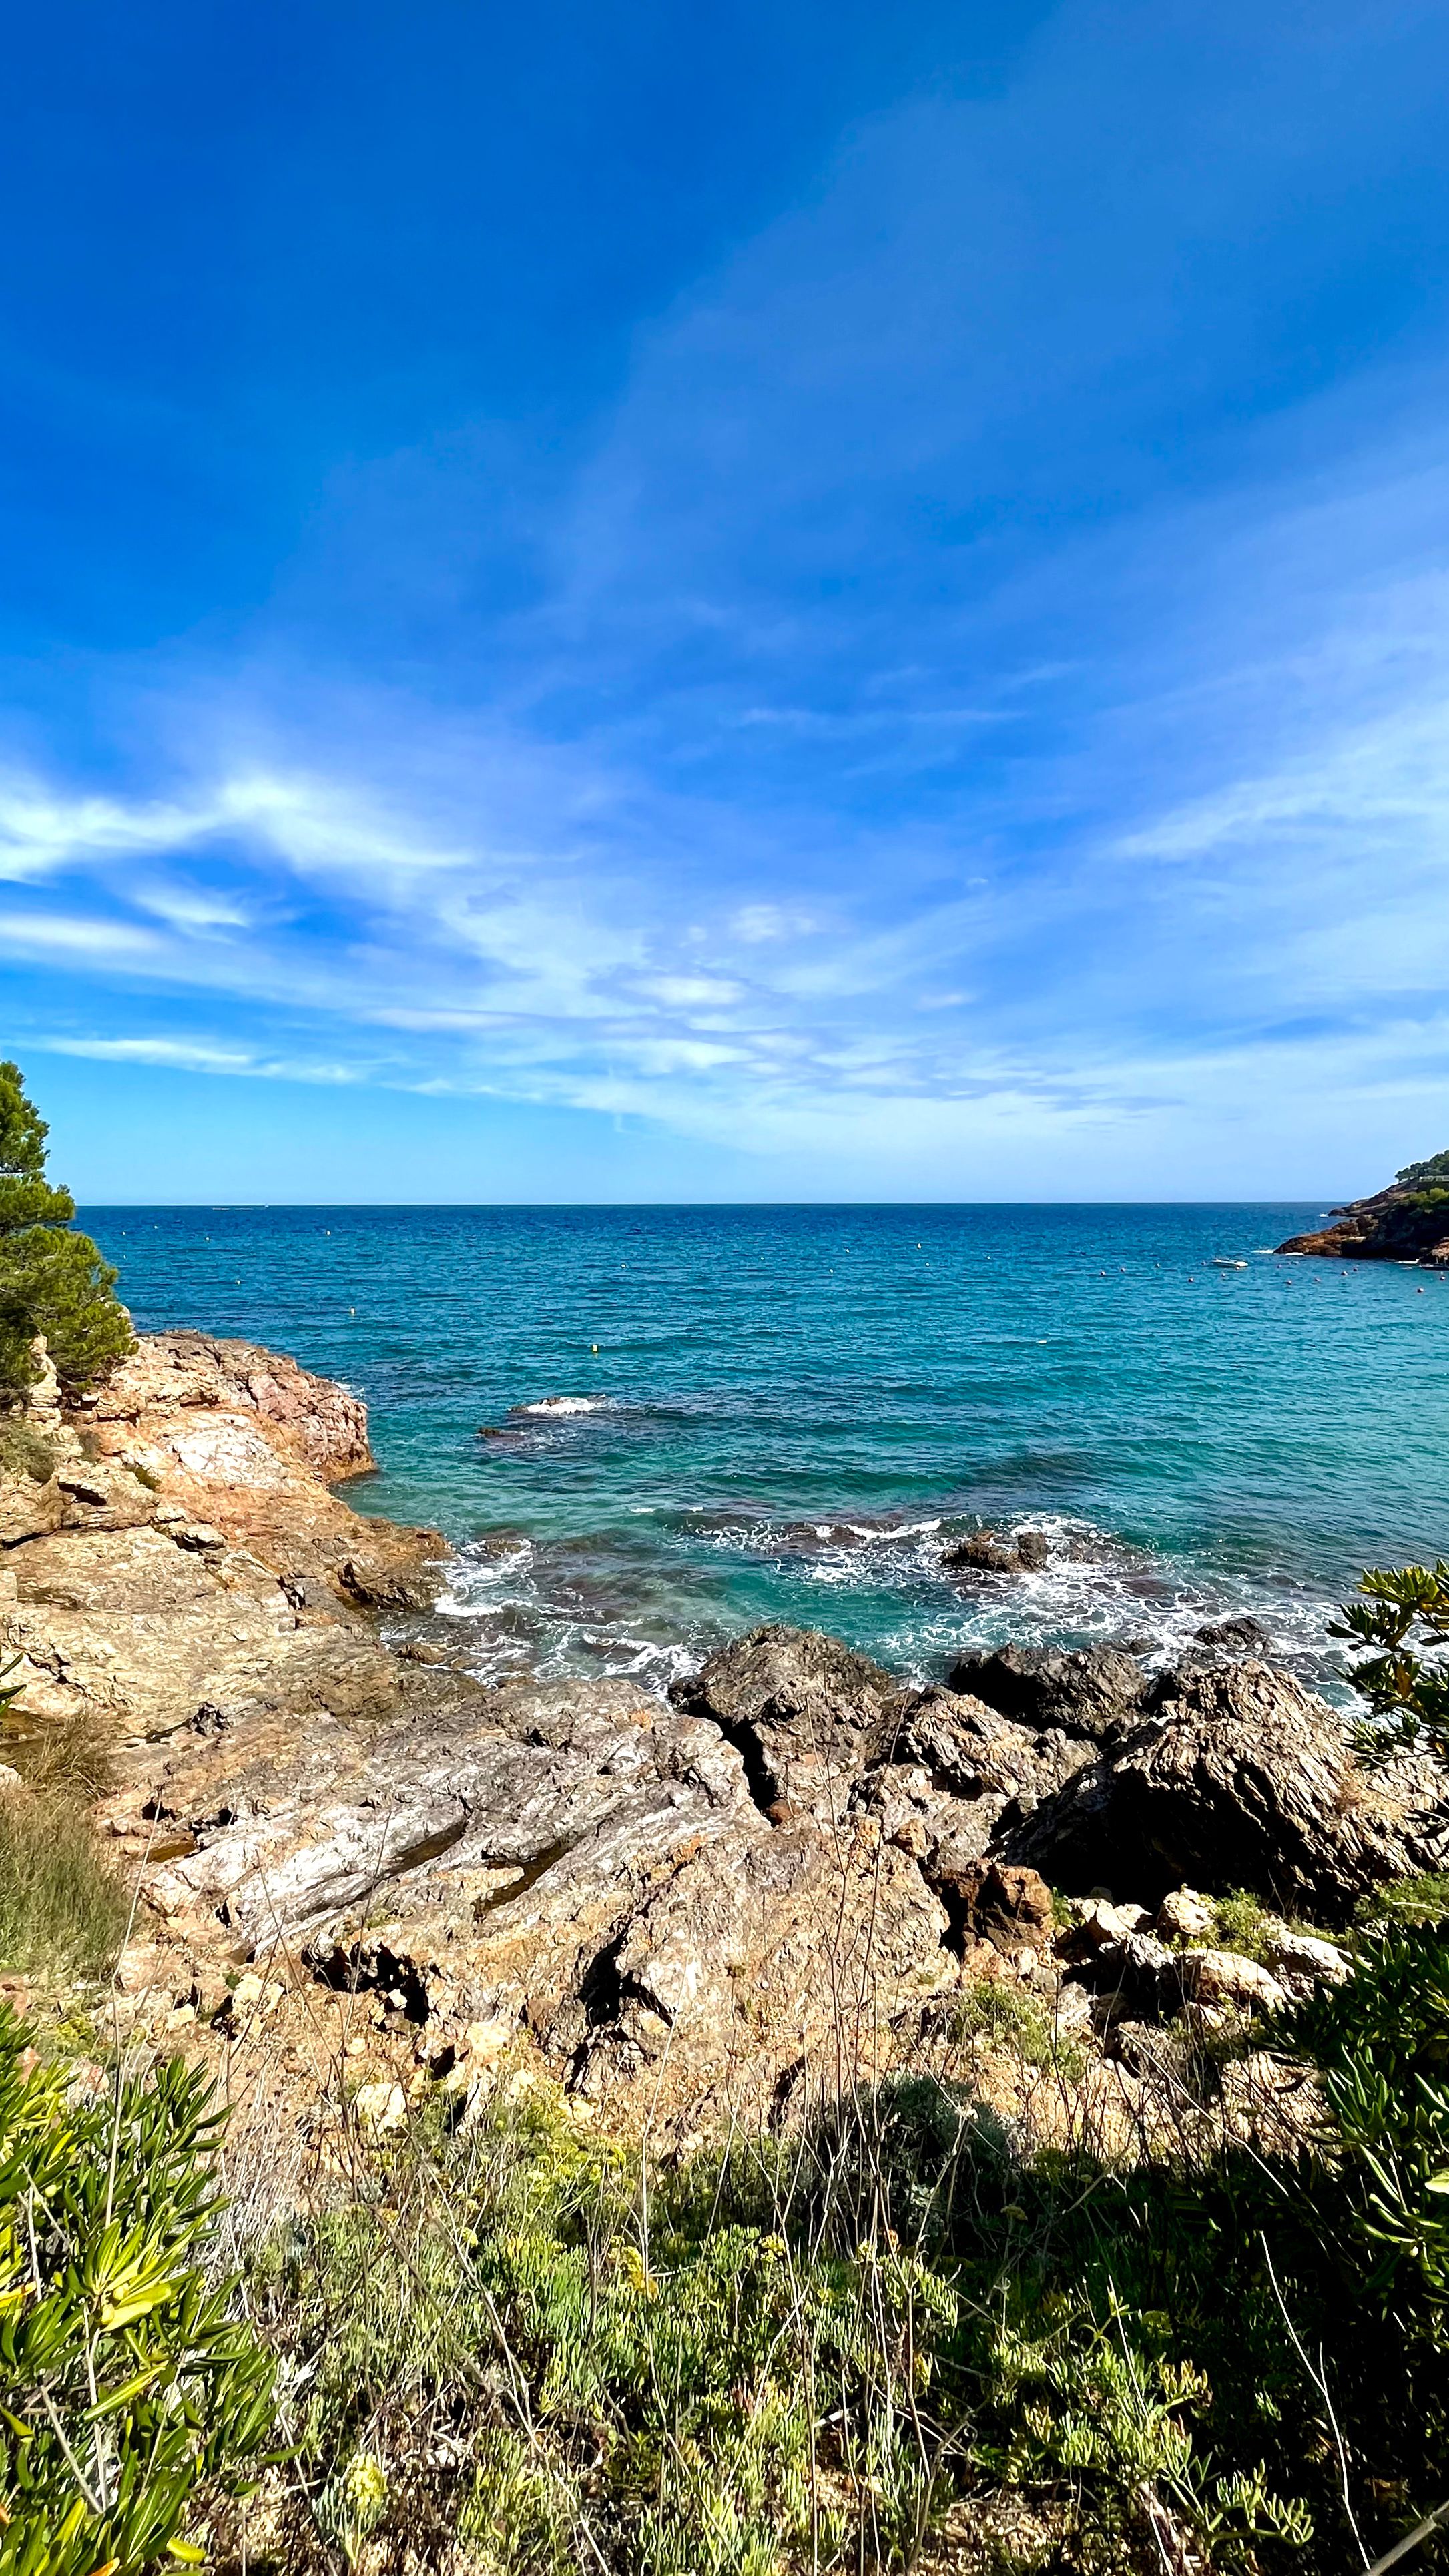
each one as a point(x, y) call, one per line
point(53, 1281)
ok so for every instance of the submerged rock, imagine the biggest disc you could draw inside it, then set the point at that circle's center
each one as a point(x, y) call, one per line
point(989, 1552)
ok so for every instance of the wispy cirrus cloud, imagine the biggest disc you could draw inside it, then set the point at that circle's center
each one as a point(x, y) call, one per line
point(970, 685)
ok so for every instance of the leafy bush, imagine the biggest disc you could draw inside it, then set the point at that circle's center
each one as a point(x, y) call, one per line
point(1405, 1676)
point(52, 1281)
point(1242, 1923)
point(1381, 2047)
point(127, 2384)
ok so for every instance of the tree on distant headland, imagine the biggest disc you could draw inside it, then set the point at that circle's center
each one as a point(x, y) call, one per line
point(1416, 1175)
point(52, 1281)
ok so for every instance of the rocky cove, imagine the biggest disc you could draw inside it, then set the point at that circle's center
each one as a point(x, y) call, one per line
point(775, 1883)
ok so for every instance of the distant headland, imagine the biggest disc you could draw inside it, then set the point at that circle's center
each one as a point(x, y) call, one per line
point(1408, 1221)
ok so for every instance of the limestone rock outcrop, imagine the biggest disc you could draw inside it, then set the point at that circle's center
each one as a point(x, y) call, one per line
point(172, 1544)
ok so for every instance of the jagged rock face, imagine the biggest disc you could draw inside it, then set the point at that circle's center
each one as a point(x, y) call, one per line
point(311, 1420)
point(804, 1711)
point(699, 1905)
point(572, 1859)
point(1240, 1780)
point(1093, 1690)
point(1405, 1222)
point(172, 1544)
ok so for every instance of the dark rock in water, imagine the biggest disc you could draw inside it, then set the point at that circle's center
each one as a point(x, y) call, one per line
point(989, 1552)
point(803, 1711)
point(1241, 1779)
point(1093, 1690)
point(811, 1538)
point(982, 1553)
point(1238, 1636)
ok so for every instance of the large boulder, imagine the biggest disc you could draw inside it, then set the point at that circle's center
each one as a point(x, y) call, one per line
point(805, 1713)
point(1242, 1779)
point(1093, 1690)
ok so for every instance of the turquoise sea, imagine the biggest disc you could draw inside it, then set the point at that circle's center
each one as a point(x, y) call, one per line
point(699, 1418)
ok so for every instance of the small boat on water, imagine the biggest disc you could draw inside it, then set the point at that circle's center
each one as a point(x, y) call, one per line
point(1220, 1261)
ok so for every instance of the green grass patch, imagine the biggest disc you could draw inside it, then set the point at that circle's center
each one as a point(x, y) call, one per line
point(1409, 1901)
point(63, 1911)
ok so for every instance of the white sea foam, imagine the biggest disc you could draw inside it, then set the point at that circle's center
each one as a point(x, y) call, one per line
point(556, 1607)
point(554, 1405)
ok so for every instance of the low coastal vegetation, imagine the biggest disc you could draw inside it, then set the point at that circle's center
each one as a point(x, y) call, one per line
point(902, 2337)
point(901, 2340)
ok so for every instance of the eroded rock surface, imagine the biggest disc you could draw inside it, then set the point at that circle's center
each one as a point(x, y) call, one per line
point(1091, 1690)
point(696, 1909)
point(174, 1544)
point(1239, 1778)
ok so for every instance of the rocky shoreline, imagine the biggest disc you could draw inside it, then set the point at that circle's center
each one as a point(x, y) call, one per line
point(1408, 1221)
point(683, 1910)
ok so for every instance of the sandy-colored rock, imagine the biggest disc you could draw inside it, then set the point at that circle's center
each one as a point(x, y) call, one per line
point(1302, 1955)
point(1224, 1977)
point(184, 1553)
point(1183, 1915)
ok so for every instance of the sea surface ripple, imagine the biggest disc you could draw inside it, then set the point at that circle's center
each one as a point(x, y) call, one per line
point(645, 1429)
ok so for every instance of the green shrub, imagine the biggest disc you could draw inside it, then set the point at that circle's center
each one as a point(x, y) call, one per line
point(127, 2385)
point(533, 2345)
point(63, 1911)
point(1241, 1923)
point(52, 1281)
point(1380, 2044)
point(1410, 1901)
point(655, 2376)
point(1404, 1623)
point(1011, 2020)
point(23, 1452)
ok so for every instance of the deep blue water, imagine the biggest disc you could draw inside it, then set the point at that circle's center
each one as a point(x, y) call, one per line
point(791, 1409)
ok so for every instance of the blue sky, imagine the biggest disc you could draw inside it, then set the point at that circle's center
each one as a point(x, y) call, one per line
point(736, 602)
